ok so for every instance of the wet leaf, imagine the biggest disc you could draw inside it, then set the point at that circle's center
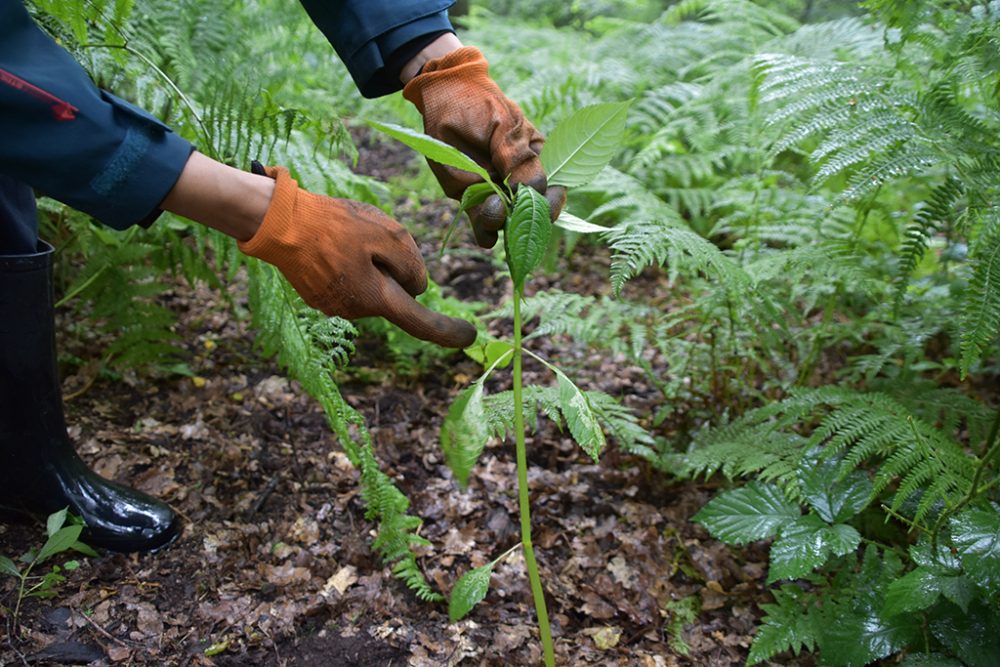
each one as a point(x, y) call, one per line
point(754, 512)
point(976, 534)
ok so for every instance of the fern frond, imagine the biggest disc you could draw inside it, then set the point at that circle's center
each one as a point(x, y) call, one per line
point(981, 314)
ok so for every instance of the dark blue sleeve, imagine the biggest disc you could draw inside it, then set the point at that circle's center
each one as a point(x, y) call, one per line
point(73, 142)
point(365, 34)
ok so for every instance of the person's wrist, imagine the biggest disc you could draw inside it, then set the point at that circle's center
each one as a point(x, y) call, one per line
point(441, 46)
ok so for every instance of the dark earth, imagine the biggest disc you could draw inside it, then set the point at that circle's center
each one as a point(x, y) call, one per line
point(275, 565)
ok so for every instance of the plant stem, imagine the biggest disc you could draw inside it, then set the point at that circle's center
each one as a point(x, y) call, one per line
point(523, 500)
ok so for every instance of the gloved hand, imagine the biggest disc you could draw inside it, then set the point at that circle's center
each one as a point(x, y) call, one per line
point(349, 259)
point(462, 106)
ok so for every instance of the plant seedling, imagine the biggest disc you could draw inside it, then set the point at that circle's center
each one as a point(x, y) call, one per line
point(61, 538)
point(579, 148)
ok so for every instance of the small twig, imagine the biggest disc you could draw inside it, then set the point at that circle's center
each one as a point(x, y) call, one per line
point(101, 630)
point(264, 495)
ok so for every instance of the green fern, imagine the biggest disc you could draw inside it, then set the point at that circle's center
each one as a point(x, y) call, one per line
point(981, 315)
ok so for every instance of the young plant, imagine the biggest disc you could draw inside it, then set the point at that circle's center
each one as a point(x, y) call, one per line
point(579, 148)
point(61, 538)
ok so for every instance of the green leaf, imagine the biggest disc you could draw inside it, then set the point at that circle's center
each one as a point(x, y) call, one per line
point(754, 512)
point(63, 539)
point(976, 534)
point(833, 498)
point(464, 433)
point(498, 353)
point(85, 549)
point(432, 148)
point(929, 660)
point(580, 418)
point(852, 638)
point(571, 223)
point(7, 566)
point(583, 144)
point(55, 521)
point(806, 545)
point(474, 195)
point(788, 625)
point(974, 637)
point(527, 234)
point(914, 591)
point(799, 549)
point(469, 591)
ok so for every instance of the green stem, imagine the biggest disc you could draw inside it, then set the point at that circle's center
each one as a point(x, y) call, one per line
point(523, 500)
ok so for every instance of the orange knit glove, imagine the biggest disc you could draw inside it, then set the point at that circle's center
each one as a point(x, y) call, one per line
point(463, 107)
point(349, 259)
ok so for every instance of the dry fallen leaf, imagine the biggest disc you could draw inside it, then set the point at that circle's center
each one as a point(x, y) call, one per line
point(345, 577)
point(605, 637)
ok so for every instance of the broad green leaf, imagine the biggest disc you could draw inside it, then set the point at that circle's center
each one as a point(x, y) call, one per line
point(494, 352)
point(841, 538)
point(63, 539)
point(474, 195)
point(469, 591)
point(929, 660)
point(788, 625)
point(799, 549)
point(974, 637)
point(55, 521)
point(432, 148)
point(976, 534)
point(7, 566)
point(464, 433)
point(857, 637)
point(754, 512)
point(833, 498)
point(571, 223)
point(583, 144)
point(580, 417)
point(915, 591)
point(527, 234)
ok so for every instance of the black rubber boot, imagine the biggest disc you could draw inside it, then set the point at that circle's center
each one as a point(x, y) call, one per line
point(40, 472)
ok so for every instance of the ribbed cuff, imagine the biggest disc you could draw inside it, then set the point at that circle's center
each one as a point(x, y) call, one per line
point(273, 235)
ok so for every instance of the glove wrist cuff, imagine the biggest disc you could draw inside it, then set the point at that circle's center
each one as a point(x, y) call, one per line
point(464, 65)
point(276, 227)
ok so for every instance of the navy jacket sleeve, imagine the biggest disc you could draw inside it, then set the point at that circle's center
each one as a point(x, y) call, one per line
point(365, 34)
point(73, 142)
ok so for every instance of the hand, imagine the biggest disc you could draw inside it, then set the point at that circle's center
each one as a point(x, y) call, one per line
point(349, 259)
point(465, 108)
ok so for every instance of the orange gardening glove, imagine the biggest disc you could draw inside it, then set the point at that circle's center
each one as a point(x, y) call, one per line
point(349, 259)
point(463, 107)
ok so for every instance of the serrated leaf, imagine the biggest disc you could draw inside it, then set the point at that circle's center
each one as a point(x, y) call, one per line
point(580, 418)
point(799, 549)
point(841, 538)
point(469, 591)
point(432, 148)
point(754, 512)
point(915, 591)
point(527, 233)
point(974, 636)
point(976, 534)
point(787, 625)
point(55, 521)
point(63, 539)
point(833, 498)
point(7, 566)
point(464, 432)
point(584, 143)
point(858, 637)
point(571, 223)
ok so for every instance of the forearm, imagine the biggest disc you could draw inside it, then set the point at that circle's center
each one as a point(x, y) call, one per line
point(221, 197)
point(443, 45)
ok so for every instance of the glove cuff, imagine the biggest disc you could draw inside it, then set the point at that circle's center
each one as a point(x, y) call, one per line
point(461, 65)
point(274, 236)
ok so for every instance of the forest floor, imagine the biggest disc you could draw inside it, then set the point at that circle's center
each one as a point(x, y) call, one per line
point(275, 565)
